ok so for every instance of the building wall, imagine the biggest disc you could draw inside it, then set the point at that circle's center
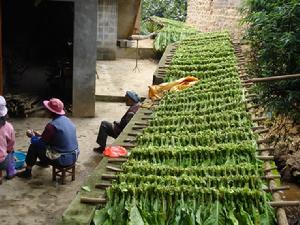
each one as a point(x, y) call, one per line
point(128, 17)
point(107, 28)
point(215, 15)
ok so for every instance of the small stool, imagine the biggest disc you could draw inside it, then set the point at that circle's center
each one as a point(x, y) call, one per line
point(63, 172)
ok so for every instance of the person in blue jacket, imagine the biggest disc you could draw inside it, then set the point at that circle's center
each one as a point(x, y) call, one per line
point(57, 145)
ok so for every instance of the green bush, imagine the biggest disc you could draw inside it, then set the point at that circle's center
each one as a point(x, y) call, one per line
point(172, 9)
point(273, 32)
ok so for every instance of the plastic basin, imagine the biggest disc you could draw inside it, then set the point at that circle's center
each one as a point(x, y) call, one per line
point(20, 156)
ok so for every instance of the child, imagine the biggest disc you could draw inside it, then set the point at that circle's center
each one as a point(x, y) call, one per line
point(7, 142)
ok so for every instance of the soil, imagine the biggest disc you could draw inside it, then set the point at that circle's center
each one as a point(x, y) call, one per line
point(284, 137)
point(39, 200)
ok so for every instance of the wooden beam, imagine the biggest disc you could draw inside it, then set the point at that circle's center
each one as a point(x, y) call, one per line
point(92, 200)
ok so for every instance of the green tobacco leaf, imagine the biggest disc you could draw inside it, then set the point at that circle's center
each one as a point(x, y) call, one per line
point(245, 217)
point(217, 216)
point(232, 220)
point(100, 217)
point(135, 217)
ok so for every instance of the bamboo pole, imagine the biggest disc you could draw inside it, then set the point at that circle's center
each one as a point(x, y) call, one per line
point(102, 186)
point(115, 169)
point(259, 119)
point(132, 134)
point(282, 188)
point(265, 149)
point(270, 177)
point(117, 160)
point(284, 203)
point(108, 177)
point(92, 200)
point(262, 131)
point(141, 124)
point(257, 128)
point(280, 212)
point(138, 128)
point(274, 78)
point(261, 141)
point(266, 158)
point(270, 169)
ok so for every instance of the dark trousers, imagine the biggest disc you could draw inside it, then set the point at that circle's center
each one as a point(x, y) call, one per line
point(35, 152)
point(106, 129)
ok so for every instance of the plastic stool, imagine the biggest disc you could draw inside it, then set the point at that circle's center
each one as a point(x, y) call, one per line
point(63, 172)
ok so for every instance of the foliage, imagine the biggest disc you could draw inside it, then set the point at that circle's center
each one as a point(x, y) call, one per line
point(273, 31)
point(172, 9)
point(169, 31)
point(196, 162)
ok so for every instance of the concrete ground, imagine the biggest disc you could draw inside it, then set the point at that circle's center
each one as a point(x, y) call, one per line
point(41, 201)
point(117, 77)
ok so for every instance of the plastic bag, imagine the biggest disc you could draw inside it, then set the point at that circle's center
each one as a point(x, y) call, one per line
point(115, 151)
point(156, 92)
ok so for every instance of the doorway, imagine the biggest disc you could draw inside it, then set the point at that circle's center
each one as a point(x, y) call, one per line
point(38, 49)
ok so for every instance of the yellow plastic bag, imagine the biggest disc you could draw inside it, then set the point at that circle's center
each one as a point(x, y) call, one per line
point(156, 92)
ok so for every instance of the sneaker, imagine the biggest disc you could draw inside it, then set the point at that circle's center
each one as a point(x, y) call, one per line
point(99, 150)
point(24, 174)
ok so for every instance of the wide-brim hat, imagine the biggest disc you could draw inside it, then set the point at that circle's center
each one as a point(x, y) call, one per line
point(3, 108)
point(55, 105)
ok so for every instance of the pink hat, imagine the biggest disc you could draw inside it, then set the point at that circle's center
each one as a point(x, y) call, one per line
point(3, 109)
point(55, 105)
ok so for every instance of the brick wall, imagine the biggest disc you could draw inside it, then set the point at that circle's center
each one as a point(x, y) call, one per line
point(215, 15)
point(107, 25)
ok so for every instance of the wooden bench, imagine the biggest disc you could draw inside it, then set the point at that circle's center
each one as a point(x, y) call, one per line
point(63, 172)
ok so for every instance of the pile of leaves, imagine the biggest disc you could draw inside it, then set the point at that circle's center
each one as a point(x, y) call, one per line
point(273, 32)
point(169, 31)
point(195, 163)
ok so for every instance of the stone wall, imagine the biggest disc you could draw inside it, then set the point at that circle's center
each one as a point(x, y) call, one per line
point(107, 25)
point(215, 15)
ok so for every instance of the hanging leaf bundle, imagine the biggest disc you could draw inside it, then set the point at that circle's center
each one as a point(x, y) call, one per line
point(195, 163)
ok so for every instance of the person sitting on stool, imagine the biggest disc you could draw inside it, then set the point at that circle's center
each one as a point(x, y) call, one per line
point(113, 130)
point(57, 145)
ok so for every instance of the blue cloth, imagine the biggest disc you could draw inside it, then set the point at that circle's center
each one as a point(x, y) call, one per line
point(133, 96)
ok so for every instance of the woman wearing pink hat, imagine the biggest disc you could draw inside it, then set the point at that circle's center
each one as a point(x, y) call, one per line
point(7, 142)
point(57, 145)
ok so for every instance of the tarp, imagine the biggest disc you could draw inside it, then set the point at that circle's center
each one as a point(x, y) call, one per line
point(156, 92)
